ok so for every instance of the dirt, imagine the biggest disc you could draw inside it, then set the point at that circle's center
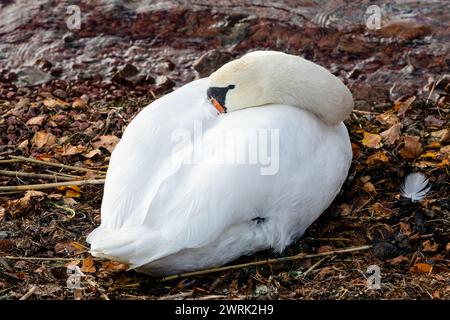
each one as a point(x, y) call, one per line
point(66, 96)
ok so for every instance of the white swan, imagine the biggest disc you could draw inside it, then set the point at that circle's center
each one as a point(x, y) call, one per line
point(180, 192)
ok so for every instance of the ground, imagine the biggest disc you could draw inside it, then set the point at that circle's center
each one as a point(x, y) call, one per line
point(70, 110)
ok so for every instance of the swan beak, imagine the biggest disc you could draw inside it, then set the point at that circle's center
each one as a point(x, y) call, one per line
point(217, 105)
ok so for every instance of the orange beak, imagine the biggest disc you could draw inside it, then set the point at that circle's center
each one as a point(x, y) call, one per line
point(217, 105)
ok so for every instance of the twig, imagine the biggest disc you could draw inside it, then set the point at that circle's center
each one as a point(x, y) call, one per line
point(39, 258)
point(60, 165)
point(176, 296)
point(315, 265)
point(33, 175)
point(10, 161)
point(52, 185)
point(29, 293)
point(262, 262)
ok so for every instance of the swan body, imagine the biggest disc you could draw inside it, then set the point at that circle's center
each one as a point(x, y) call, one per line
point(185, 191)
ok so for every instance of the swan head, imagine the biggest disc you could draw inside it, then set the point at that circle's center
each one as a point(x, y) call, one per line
point(271, 77)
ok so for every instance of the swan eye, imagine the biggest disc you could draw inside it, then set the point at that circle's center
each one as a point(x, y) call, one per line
point(217, 96)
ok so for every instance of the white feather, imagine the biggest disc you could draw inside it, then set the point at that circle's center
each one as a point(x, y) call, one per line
point(415, 187)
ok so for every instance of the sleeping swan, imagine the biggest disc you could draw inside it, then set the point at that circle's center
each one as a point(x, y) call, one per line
point(225, 166)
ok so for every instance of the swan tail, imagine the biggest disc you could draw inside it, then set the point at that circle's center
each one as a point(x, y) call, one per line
point(133, 246)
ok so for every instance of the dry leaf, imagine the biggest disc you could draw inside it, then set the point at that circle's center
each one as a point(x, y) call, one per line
point(412, 148)
point(369, 187)
point(441, 135)
point(107, 142)
point(379, 210)
point(71, 191)
point(432, 121)
point(69, 150)
point(92, 153)
point(402, 107)
point(346, 209)
point(35, 121)
point(378, 157)
point(422, 267)
point(71, 248)
point(114, 266)
point(405, 228)
point(388, 118)
point(23, 145)
point(42, 138)
point(392, 134)
point(371, 140)
point(88, 265)
point(54, 102)
point(2, 213)
point(427, 246)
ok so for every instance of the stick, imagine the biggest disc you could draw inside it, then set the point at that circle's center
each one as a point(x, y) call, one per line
point(47, 163)
point(315, 265)
point(38, 258)
point(29, 293)
point(52, 185)
point(33, 175)
point(261, 262)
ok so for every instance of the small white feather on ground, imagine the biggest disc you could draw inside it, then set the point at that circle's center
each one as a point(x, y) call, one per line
point(415, 187)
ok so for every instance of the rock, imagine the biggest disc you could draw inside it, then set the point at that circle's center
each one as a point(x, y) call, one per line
point(211, 61)
point(129, 75)
point(385, 250)
point(163, 84)
point(32, 76)
point(59, 93)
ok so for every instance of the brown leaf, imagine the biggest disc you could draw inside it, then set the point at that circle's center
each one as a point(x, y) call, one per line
point(114, 266)
point(108, 142)
point(42, 138)
point(441, 135)
point(54, 102)
point(325, 249)
point(422, 267)
point(88, 265)
point(369, 187)
point(378, 157)
point(388, 118)
point(398, 260)
point(392, 134)
point(69, 150)
point(432, 121)
point(35, 121)
point(371, 140)
point(412, 148)
point(71, 248)
point(92, 153)
point(403, 106)
point(427, 246)
point(405, 228)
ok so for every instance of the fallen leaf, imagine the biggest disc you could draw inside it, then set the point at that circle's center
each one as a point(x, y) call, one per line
point(412, 148)
point(432, 121)
point(427, 246)
point(398, 260)
point(429, 155)
point(23, 145)
point(392, 134)
point(371, 140)
point(325, 249)
point(369, 187)
point(422, 267)
point(114, 266)
point(54, 102)
point(403, 106)
point(69, 150)
point(107, 142)
point(378, 157)
point(379, 210)
point(42, 138)
point(92, 153)
point(405, 228)
point(388, 118)
point(346, 209)
point(71, 191)
point(70, 248)
point(35, 121)
point(88, 265)
point(441, 135)
point(2, 213)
